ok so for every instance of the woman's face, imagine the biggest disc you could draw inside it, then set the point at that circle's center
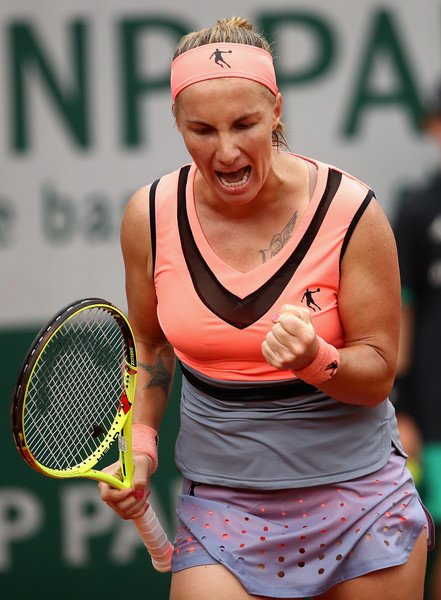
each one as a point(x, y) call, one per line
point(227, 126)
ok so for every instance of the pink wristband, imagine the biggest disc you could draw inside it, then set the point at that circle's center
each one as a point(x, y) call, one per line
point(323, 367)
point(145, 439)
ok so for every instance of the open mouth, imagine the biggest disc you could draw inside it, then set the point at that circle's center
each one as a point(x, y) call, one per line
point(235, 178)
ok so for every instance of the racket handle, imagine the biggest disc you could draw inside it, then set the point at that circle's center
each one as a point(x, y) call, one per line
point(155, 540)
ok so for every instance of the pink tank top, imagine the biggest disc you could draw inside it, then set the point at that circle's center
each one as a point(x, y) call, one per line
point(216, 317)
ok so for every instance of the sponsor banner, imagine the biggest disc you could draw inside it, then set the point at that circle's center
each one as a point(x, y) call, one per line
point(85, 119)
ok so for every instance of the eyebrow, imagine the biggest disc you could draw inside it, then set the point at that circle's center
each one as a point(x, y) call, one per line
point(242, 118)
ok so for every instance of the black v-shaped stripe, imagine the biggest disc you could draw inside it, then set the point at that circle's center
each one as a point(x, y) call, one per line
point(152, 200)
point(243, 312)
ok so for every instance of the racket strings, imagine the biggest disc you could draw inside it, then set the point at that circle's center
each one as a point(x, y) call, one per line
point(61, 415)
point(75, 391)
point(73, 412)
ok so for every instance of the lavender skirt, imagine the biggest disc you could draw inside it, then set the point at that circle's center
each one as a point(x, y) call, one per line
point(301, 542)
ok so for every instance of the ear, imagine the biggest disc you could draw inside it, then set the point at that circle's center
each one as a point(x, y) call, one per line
point(174, 111)
point(277, 114)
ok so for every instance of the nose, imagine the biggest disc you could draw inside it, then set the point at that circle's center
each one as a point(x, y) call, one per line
point(227, 150)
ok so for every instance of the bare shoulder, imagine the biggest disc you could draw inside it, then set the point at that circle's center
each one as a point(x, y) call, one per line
point(370, 275)
point(372, 237)
point(135, 228)
point(137, 206)
point(136, 213)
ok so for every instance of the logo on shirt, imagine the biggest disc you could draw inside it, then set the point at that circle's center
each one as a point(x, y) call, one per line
point(218, 59)
point(310, 303)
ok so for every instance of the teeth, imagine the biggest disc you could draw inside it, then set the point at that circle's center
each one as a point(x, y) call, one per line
point(236, 183)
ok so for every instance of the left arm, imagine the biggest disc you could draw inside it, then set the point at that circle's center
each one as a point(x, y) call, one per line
point(369, 309)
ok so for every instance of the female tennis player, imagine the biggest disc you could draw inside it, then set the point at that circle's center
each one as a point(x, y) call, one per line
point(294, 478)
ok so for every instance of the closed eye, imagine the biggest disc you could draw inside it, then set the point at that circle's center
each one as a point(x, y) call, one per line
point(245, 125)
point(202, 130)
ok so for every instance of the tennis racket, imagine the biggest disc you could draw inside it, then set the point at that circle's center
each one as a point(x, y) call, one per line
point(73, 398)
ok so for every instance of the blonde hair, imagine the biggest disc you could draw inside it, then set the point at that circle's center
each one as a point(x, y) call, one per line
point(236, 30)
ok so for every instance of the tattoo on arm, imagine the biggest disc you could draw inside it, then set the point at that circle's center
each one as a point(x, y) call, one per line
point(280, 239)
point(160, 377)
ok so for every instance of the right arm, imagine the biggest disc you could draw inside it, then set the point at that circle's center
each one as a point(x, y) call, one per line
point(156, 359)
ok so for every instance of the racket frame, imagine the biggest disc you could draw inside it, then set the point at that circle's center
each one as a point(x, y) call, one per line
point(122, 424)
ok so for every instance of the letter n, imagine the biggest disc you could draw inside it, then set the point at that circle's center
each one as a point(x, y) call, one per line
point(29, 61)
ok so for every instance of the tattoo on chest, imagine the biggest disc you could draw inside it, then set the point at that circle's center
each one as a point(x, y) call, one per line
point(160, 377)
point(279, 239)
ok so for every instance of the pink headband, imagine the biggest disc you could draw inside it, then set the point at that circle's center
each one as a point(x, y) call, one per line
point(212, 61)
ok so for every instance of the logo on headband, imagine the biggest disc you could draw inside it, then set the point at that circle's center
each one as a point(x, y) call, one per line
point(218, 57)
